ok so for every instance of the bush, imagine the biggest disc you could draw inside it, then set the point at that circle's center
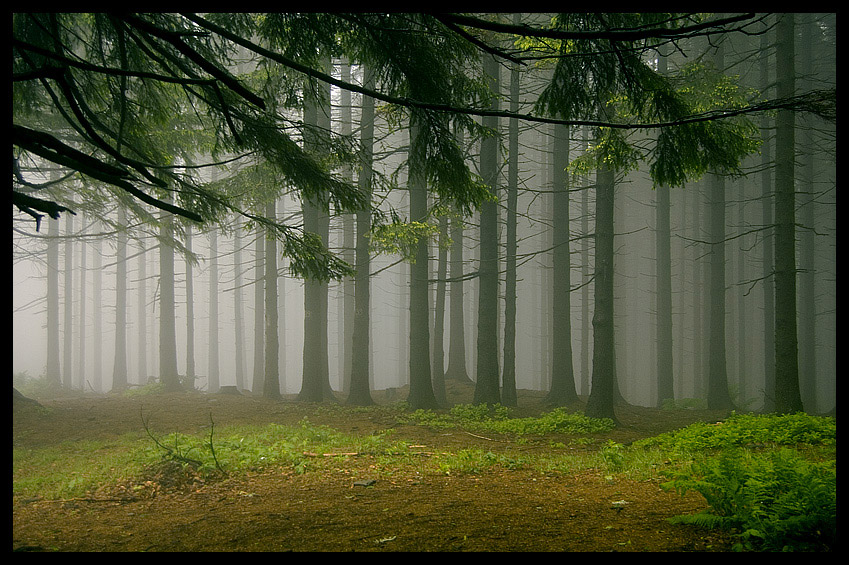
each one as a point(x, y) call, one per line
point(778, 501)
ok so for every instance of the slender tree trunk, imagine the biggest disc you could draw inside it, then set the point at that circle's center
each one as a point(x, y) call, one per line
point(508, 379)
point(213, 370)
point(96, 371)
point(438, 363)
point(141, 296)
point(271, 382)
point(168, 373)
point(665, 381)
point(259, 313)
point(807, 243)
point(81, 348)
point(359, 393)
point(53, 373)
point(562, 391)
point(119, 367)
point(585, 275)
point(238, 311)
point(602, 399)
point(315, 385)
point(348, 244)
point(487, 386)
point(768, 258)
point(787, 395)
point(421, 387)
point(191, 370)
point(68, 335)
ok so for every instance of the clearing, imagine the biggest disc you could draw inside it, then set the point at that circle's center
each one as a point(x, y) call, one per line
point(351, 503)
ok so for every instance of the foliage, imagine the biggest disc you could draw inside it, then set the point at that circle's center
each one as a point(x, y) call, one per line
point(496, 418)
point(778, 501)
point(745, 429)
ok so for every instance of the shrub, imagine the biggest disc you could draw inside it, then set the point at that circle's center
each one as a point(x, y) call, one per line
point(778, 501)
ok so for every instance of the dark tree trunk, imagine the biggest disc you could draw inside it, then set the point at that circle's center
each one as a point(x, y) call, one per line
point(787, 395)
point(487, 386)
point(359, 393)
point(562, 391)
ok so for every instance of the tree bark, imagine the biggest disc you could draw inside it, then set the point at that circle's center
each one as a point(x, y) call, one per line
point(487, 386)
point(359, 393)
point(787, 395)
point(562, 391)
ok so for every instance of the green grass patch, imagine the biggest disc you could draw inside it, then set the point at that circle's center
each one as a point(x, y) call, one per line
point(497, 419)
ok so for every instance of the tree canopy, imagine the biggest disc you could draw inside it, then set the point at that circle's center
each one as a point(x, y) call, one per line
point(132, 106)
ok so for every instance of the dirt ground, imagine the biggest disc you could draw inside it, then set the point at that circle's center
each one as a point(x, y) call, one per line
point(330, 510)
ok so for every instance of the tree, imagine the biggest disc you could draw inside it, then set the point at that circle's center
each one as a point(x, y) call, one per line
point(119, 367)
point(787, 395)
point(486, 386)
point(359, 393)
point(562, 391)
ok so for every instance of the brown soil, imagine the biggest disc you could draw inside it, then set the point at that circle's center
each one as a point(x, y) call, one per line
point(326, 510)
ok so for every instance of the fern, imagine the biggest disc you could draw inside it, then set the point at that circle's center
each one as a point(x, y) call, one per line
point(779, 501)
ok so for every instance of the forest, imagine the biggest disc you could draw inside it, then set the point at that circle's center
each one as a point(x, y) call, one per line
point(379, 221)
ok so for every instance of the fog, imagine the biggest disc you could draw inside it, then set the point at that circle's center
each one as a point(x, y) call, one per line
point(635, 282)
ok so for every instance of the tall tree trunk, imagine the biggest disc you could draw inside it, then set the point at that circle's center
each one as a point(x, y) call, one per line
point(718, 397)
point(191, 371)
point(119, 367)
point(238, 311)
point(68, 335)
point(665, 382)
point(271, 382)
point(768, 258)
point(53, 373)
point(346, 314)
point(508, 379)
point(787, 395)
point(585, 276)
point(141, 296)
point(562, 391)
point(438, 352)
point(259, 312)
point(457, 325)
point(168, 374)
point(807, 241)
point(97, 318)
point(315, 385)
point(602, 399)
point(421, 388)
point(213, 370)
point(81, 347)
point(359, 393)
point(487, 386)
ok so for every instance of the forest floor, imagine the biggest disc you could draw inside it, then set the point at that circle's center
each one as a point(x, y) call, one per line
point(330, 510)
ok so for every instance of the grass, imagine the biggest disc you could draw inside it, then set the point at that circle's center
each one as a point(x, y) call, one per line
point(744, 466)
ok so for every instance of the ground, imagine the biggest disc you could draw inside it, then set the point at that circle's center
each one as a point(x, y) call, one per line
point(340, 509)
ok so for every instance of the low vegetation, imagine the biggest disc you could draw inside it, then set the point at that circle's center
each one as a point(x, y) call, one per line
point(769, 479)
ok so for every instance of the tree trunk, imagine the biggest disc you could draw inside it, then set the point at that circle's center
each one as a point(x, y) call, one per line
point(53, 373)
point(238, 313)
point(768, 258)
point(562, 391)
point(119, 367)
point(602, 399)
point(421, 388)
point(141, 296)
point(191, 371)
point(259, 312)
point(68, 321)
point(213, 370)
point(508, 379)
point(271, 382)
point(168, 374)
point(787, 395)
point(359, 393)
point(487, 386)
point(438, 362)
